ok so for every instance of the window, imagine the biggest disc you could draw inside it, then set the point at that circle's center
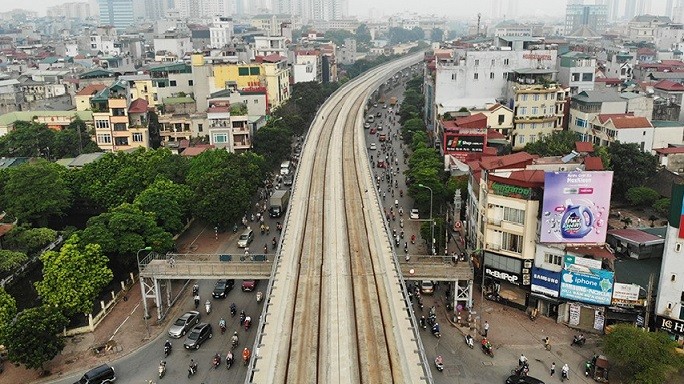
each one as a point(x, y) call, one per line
point(521, 139)
point(502, 118)
point(101, 124)
point(477, 62)
point(532, 137)
point(587, 76)
point(514, 215)
point(511, 242)
point(491, 75)
point(522, 111)
point(172, 83)
point(119, 127)
point(243, 71)
point(453, 76)
point(575, 77)
point(475, 76)
point(552, 259)
point(220, 138)
point(523, 97)
point(121, 141)
point(535, 97)
point(137, 137)
point(505, 61)
point(535, 110)
point(493, 61)
point(254, 71)
point(118, 112)
point(104, 139)
point(580, 122)
point(191, 83)
point(534, 126)
point(199, 127)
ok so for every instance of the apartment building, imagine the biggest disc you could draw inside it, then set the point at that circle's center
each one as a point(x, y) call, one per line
point(227, 130)
point(576, 71)
point(119, 125)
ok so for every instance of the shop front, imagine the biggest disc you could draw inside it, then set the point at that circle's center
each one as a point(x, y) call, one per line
point(674, 328)
point(545, 287)
point(626, 306)
point(507, 280)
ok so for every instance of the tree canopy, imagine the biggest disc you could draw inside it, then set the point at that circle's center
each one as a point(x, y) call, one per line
point(631, 167)
point(8, 310)
point(169, 202)
point(37, 140)
point(35, 336)
point(399, 35)
point(642, 357)
point(34, 192)
point(29, 240)
point(559, 143)
point(74, 276)
point(11, 259)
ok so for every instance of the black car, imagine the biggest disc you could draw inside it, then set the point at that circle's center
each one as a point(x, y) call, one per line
point(198, 335)
point(222, 288)
point(103, 374)
point(515, 379)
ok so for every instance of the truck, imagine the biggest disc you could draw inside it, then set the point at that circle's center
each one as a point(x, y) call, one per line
point(393, 101)
point(278, 202)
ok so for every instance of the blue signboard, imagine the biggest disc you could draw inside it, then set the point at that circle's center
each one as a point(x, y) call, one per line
point(545, 281)
point(594, 286)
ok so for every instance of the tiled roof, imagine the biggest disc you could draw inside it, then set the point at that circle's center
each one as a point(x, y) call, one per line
point(631, 122)
point(471, 119)
point(493, 134)
point(496, 162)
point(91, 90)
point(669, 150)
point(526, 178)
point(669, 85)
point(273, 58)
point(593, 163)
point(584, 146)
point(662, 182)
point(196, 150)
point(603, 117)
point(636, 236)
point(596, 251)
point(138, 106)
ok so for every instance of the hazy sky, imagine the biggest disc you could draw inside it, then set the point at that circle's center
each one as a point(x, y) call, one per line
point(448, 8)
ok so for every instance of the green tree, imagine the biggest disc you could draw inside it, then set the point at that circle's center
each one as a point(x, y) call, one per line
point(223, 197)
point(27, 140)
point(363, 35)
point(274, 144)
point(662, 206)
point(72, 141)
point(11, 259)
point(34, 192)
point(169, 202)
point(8, 310)
point(34, 337)
point(74, 276)
point(154, 128)
point(124, 230)
point(337, 36)
point(437, 35)
point(29, 240)
point(642, 196)
point(631, 167)
point(559, 143)
point(642, 357)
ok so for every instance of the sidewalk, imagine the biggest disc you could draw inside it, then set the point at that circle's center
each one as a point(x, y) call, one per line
point(124, 330)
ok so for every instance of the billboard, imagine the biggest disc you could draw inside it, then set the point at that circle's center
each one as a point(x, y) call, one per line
point(545, 281)
point(576, 206)
point(585, 284)
point(626, 294)
point(464, 143)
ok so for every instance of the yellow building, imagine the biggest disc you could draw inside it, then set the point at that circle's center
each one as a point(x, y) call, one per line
point(240, 75)
point(82, 98)
point(118, 126)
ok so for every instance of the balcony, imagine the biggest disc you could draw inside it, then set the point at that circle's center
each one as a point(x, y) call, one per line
point(534, 119)
point(242, 144)
point(119, 119)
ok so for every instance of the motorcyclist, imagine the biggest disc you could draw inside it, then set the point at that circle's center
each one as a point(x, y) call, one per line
point(197, 300)
point(234, 339)
point(167, 345)
point(193, 367)
point(579, 339)
point(245, 355)
point(233, 309)
point(229, 358)
point(469, 340)
point(565, 371)
point(222, 325)
point(217, 360)
point(486, 345)
point(242, 317)
point(207, 305)
point(195, 290)
point(248, 322)
point(435, 329)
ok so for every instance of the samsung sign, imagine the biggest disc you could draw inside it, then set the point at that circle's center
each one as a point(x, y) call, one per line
point(512, 278)
point(545, 282)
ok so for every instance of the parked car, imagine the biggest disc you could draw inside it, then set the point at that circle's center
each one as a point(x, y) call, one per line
point(373, 147)
point(184, 323)
point(515, 379)
point(198, 335)
point(414, 214)
point(222, 288)
point(427, 287)
point(249, 285)
point(103, 374)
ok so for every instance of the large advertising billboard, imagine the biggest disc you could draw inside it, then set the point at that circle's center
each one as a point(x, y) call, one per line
point(576, 206)
point(582, 283)
point(464, 143)
point(545, 281)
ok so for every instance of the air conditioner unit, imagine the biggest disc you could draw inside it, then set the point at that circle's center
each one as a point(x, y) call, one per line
point(563, 169)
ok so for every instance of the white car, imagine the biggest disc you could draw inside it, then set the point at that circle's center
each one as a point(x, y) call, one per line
point(373, 147)
point(366, 125)
point(427, 287)
point(414, 214)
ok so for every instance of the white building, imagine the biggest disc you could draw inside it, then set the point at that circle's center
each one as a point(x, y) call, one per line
point(576, 71)
point(307, 67)
point(173, 43)
point(108, 45)
point(629, 129)
point(268, 45)
point(225, 131)
point(220, 32)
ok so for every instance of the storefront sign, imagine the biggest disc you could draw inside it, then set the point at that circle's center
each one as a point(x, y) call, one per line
point(670, 325)
point(570, 260)
point(626, 294)
point(595, 287)
point(599, 320)
point(545, 281)
point(513, 278)
point(574, 314)
point(535, 56)
point(511, 191)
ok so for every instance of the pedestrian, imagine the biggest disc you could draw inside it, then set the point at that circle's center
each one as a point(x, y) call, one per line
point(172, 262)
point(486, 329)
point(547, 344)
point(553, 368)
point(522, 360)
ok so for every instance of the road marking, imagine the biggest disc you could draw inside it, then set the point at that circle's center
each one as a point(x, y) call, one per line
point(123, 322)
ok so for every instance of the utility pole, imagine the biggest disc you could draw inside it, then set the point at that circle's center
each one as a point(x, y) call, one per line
point(479, 15)
point(649, 295)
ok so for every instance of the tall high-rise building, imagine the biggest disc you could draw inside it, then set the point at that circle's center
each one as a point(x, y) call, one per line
point(580, 15)
point(313, 9)
point(669, 6)
point(613, 10)
point(117, 13)
point(643, 7)
point(71, 10)
point(512, 9)
point(630, 9)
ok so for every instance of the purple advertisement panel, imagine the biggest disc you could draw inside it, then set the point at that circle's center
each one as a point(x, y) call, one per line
point(576, 206)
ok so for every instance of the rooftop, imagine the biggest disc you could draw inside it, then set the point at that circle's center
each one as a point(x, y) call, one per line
point(10, 118)
point(178, 100)
point(669, 150)
point(669, 85)
point(597, 96)
point(636, 236)
point(138, 106)
point(91, 90)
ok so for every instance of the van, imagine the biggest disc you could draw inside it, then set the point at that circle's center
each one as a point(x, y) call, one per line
point(285, 168)
point(100, 375)
point(370, 119)
point(245, 238)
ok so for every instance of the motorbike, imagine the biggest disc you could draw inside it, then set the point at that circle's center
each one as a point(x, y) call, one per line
point(207, 306)
point(564, 375)
point(401, 223)
point(233, 310)
point(248, 323)
point(522, 370)
point(197, 301)
point(195, 290)
point(487, 349)
point(192, 369)
point(234, 340)
point(222, 325)
point(229, 360)
point(217, 361)
point(235, 228)
point(469, 341)
point(413, 239)
point(401, 193)
point(162, 369)
point(439, 364)
point(578, 340)
point(245, 356)
point(435, 331)
point(242, 317)
point(167, 349)
point(259, 297)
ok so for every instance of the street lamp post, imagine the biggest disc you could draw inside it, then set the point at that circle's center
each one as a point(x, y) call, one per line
point(142, 290)
point(432, 223)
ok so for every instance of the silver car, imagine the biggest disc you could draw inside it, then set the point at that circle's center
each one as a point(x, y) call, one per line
point(184, 323)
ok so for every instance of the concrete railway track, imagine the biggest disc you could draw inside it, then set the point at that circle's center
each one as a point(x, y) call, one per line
point(336, 311)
